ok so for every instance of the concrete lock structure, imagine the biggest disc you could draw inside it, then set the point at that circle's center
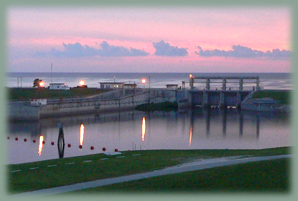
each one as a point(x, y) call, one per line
point(228, 91)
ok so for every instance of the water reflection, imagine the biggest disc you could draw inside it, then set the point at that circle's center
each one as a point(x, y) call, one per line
point(143, 128)
point(211, 116)
point(197, 129)
point(40, 145)
point(82, 133)
point(61, 143)
point(190, 133)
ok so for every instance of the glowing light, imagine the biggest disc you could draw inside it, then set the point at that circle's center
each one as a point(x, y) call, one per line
point(82, 82)
point(144, 81)
point(40, 146)
point(190, 134)
point(41, 84)
point(82, 133)
point(143, 128)
point(190, 75)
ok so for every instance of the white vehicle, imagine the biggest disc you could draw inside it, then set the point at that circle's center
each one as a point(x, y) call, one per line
point(58, 86)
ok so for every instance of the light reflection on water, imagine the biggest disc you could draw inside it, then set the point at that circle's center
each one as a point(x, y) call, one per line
point(200, 129)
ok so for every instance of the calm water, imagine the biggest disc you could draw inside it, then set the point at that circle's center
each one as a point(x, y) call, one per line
point(134, 130)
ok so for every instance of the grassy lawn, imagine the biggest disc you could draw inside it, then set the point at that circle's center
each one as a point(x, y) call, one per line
point(265, 176)
point(27, 93)
point(59, 172)
point(284, 97)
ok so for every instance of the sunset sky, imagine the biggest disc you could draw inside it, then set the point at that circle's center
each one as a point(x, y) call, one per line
point(149, 39)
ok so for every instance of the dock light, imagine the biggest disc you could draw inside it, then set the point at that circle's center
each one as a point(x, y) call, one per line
point(190, 76)
point(82, 82)
point(41, 84)
point(144, 81)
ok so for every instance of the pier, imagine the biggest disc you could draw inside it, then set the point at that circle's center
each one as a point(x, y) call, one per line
point(202, 92)
point(226, 91)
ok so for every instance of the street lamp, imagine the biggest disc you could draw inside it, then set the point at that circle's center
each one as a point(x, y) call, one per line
point(144, 81)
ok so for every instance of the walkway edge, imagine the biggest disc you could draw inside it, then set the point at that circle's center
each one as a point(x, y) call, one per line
point(166, 171)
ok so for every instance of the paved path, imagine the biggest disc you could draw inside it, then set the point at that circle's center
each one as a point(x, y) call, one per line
point(198, 165)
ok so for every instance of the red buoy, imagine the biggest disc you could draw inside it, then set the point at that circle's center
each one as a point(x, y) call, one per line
point(52, 143)
point(69, 145)
point(104, 149)
point(116, 150)
point(43, 142)
point(80, 146)
point(8, 137)
point(34, 141)
point(91, 147)
point(25, 140)
point(16, 138)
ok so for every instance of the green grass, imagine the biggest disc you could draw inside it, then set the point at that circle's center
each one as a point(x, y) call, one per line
point(27, 93)
point(282, 96)
point(63, 174)
point(265, 176)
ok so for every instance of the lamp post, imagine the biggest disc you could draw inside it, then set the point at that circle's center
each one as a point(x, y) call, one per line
point(144, 81)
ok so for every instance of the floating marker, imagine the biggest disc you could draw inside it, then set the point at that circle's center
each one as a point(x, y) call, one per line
point(52, 143)
point(104, 149)
point(43, 142)
point(69, 145)
point(8, 137)
point(80, 146)
point(25, 140)
point(91, 147)
point(34, 141)
point(16, 139)
point(116, 150)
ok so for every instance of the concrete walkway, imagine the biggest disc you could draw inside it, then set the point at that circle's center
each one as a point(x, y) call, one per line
point(197, 165)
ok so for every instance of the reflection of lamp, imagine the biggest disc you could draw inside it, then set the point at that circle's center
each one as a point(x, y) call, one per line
point(82, 132)
point(190, 133)
point(143, 128)
point(40, 146)
point(61, 143)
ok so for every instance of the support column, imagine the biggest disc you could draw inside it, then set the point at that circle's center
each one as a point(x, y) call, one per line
point(206, 99)
point(224, 84)
point(241, 84)
point(258, 84)
point(222, 101)
point(238, 103)
point(207, 84)
point(191, 82)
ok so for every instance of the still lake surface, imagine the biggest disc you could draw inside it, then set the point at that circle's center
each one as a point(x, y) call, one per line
point(135, 130)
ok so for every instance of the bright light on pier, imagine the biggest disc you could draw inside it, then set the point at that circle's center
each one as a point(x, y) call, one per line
point(82, 82)
point(144, 81)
